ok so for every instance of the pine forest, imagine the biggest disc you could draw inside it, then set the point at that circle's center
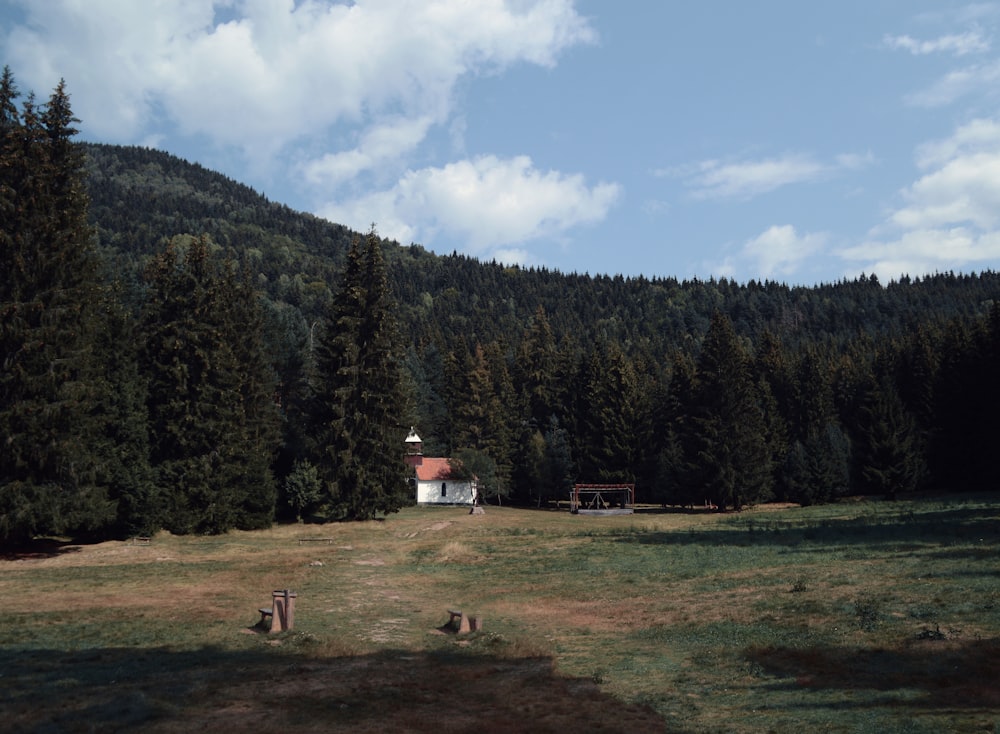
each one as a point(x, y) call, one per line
point(181, 353)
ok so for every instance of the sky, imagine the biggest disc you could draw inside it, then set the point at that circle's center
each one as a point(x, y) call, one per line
point(777, 140)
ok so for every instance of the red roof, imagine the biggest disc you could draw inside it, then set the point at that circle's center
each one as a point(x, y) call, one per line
point(432, 469)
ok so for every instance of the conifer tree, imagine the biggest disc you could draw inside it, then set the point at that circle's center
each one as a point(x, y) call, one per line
point(477, 403)
point(730, 460)
point(615, 421)
point(888, 456)
point(358, 398)
point(50, 469)
point(500, 432)
point(124, 443)
point(676, 483)
point(260, 433)
point(557, 466)
point(537, 358)
point(212, 417)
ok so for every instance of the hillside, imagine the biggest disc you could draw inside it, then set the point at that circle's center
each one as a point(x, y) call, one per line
point(818, 392)
point(141, 197)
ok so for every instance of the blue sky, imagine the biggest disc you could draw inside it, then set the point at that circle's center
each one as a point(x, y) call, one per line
point(782, 140)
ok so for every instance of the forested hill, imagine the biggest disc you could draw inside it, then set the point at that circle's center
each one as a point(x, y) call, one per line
point(211, 359)
point(537, 379)
point(142, 197)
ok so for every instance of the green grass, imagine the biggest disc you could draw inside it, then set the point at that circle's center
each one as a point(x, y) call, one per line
point(861, 616)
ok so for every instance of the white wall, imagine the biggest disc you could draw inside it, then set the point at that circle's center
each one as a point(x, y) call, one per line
point(456, 493)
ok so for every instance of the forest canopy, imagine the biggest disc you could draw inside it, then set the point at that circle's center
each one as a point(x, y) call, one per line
point(180, 352)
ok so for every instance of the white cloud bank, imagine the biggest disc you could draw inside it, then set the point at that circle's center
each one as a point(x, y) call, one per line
point(714, 179)
point(958, 44)
point(338, 94)
point(276, 70)
point(780, 250)
point(778, 253)
point(488, 202)
point(950, 218)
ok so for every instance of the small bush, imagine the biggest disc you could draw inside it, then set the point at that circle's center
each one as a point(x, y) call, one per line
point(303, 487)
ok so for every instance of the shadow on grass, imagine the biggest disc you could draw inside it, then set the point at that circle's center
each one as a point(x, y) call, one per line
point(944, 675)
point(940, 527)
point(271, 689)
point(40, 548)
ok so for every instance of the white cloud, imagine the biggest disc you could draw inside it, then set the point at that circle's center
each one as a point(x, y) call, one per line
point(951, 214)
point(923, 251)
point(778, 253)
point(514, 256)
point(982, 135)
point(342, 95)
point(853, 161)
point(488, 203)
point(780, 250)
point(380, 145)
point(957, 84)
point(964, 185)
point(260, 74)
point(713, 179)
point(958, 44)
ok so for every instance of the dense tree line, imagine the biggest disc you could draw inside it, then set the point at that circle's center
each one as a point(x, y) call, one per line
point(57, 465)
point(184, 354)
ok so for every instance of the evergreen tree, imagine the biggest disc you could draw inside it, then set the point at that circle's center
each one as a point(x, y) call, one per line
point(211, 409)
point(537, 363)
point(426, 375)
point(888, 457)
point(676, 482)
point(476, 405)
point(499, 439)
point(731, 463)
point(557, 467)
point(483, 413)
point(260, 433)
point(51, 474)
point(358, 398)
point(960, 456)
point(813, 401)
point(616, 419)
point(818, 469)
point(124, 414)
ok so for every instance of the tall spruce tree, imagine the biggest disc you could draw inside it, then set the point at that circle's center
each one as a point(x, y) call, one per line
point(124, 443)
point(730, 461)
point(50, 471)
point(676, 483)
point(212, 415)
point(616, 420)
point(557, 467)
point(889, 459)
point(537, 361)
point(358, 397)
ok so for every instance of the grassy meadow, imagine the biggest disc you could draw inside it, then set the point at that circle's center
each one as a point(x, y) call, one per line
point(862, 616)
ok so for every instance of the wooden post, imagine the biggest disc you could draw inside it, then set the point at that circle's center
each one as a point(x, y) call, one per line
point(282, 610)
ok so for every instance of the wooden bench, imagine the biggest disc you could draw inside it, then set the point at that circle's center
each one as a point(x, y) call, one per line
point(281, 612)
